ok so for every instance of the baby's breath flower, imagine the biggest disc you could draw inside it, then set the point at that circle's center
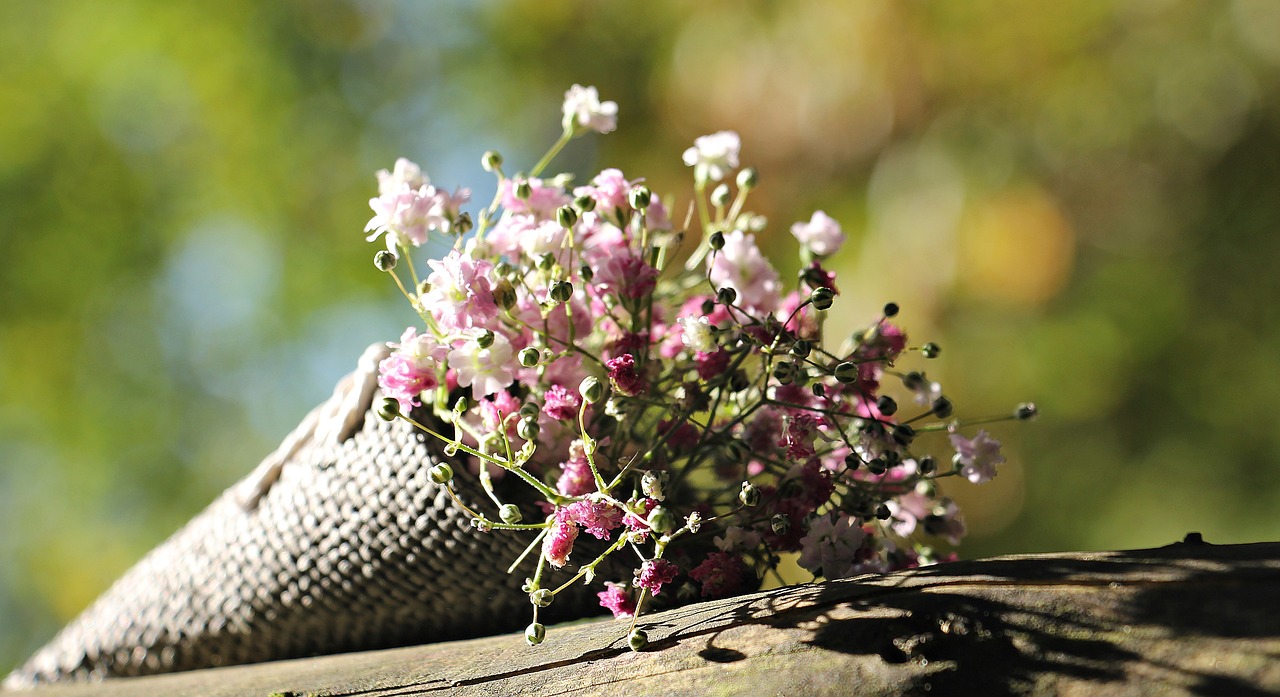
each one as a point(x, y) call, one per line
point(583, 109)
point(713, 156)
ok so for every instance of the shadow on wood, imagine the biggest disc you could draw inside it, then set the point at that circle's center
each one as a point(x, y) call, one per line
point(1191, 618)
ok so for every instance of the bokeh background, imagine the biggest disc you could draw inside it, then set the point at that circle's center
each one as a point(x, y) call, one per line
point(1079, 201)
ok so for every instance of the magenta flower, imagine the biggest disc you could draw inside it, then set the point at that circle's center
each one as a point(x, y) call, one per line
point(561, 403)
point(597, 517)
point(558, 543)
point(623, 375)
point(799, 435)
point(656, 572)
point(576, 478)
point(618, 601)
point(721, 575)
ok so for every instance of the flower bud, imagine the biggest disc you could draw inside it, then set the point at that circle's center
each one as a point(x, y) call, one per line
point(903, 434)
point(566, 216)
point(462, 224)
point(591, 389)
point(504, 294)
point(852, 461)
point(750, 494)
point(661, 519)
point(529, 410)
point(747, 178)
point(784, 372)
point(462, 405)
point(931, 350)
point(1026, 411)
point(639, 197)
point(490, 161)
point(739, 380)
point(726, 296)
point(535, 633)
point(389, 410)
point(561, 291)
point(654, 484)
point(544, 262)
point(586, 273)
point(927, 464)
point(890, 309)
point(716, 241)
point(720, 195)
point(822, 297)
point(523, 190)
point(819, 390)
point(913, 381)
point(846, 372)
point(942, 407)
point(528, 356)
point(441, 473)
point(584, 203)
point(801, 348)
point(883, 513)
point(780, 524)
point(886, 405)
point(638, 639)
point(541, 597)
point(485, 339)
point(510, 514)
point(877, 466)
point(384, 260)
point(528, 428)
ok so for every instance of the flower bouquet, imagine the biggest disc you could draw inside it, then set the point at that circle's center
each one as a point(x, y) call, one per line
point(656, 389)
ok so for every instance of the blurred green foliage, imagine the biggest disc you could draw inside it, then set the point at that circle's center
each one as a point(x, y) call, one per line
point(1078, 200)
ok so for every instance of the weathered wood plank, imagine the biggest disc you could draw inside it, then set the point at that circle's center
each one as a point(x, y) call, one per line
point(1189, 618)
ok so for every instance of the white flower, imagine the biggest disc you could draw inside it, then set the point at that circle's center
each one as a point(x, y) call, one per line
point(821, 234)
point(404, 175)
point(486, 370)
point(697, 333)
point(583, 109)
point(713, 156)
point(977, 457)
point(831, 547)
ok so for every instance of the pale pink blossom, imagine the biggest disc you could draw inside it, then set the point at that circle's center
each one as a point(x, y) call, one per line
point(583, 109)
point(821, 235)
point(485, 370)
point(544, 198)
point(831, 547)
point(714, 156)
point(576, 478)
point(609, 190)
point(461, 296)
point(625, 275)
point(741, 266)
point(410, 369)
point(977, 457)
point(408, 207)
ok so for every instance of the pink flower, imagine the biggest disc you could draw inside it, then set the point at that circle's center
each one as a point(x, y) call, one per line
point(618, 601)
point(561, 403)
point(485, 370)
point(977, 457)
point(711, 364)
point(713, 156)
point(609, 189)
point(623, 375)
point(460, 296)
point(407, 207)
point(821, 234)
point(498, 409)
point(410, 369)
point(558, 543)
point(638, 522)
point(598, 517)
point(656, 572)
point(583, 109)
point(542, 202)
point(741, 266)
point(576, 478)
point(721, 575)
point(799, 435)
point(625, 275)
point(831, 547)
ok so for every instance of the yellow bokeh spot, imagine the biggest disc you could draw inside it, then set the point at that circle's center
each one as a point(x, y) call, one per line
point(1016, 247)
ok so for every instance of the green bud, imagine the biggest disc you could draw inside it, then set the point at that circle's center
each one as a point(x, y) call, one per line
point(882, 512)
point(638, 639)
point(661, 519)
point(528, 428)
point(716, 240)
point(441, 473)
point(462, 224)
point(784, 372)
point(1026, 411)
point(566, 216)
point(886, 405)
point(928, 464)
point(586, 273)
point(535, 633)
point(739, 380)
point(504, 294)
point(541, 597)
point(510, 513)
point(720, 195)
point(890, 309)
point(726, 296)
point(903, 434)
point(750, 494)
point(461, 406)
point(942, 407)
point(529, 410)
point(822, 297)
point(490, 161)
point(384, 260)
point(747, 178)
point(389, 410)
point(545, 262)
point(528, 356)
point(846, 372)
point(485, 339)
point(801, 348)
point(639, 197)
point(523, 190)
point(591, 389)
point(561, 291)
point(931, 350)
point(584, 203)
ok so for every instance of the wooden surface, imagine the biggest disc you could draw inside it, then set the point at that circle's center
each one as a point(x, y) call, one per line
point(1190, 618)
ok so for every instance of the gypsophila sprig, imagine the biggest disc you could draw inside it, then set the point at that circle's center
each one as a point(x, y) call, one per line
point(696, 416)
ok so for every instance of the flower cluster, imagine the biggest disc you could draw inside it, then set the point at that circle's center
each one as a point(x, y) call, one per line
point(686, 404)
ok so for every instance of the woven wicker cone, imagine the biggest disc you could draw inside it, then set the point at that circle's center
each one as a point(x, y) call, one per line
point(353, 547)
